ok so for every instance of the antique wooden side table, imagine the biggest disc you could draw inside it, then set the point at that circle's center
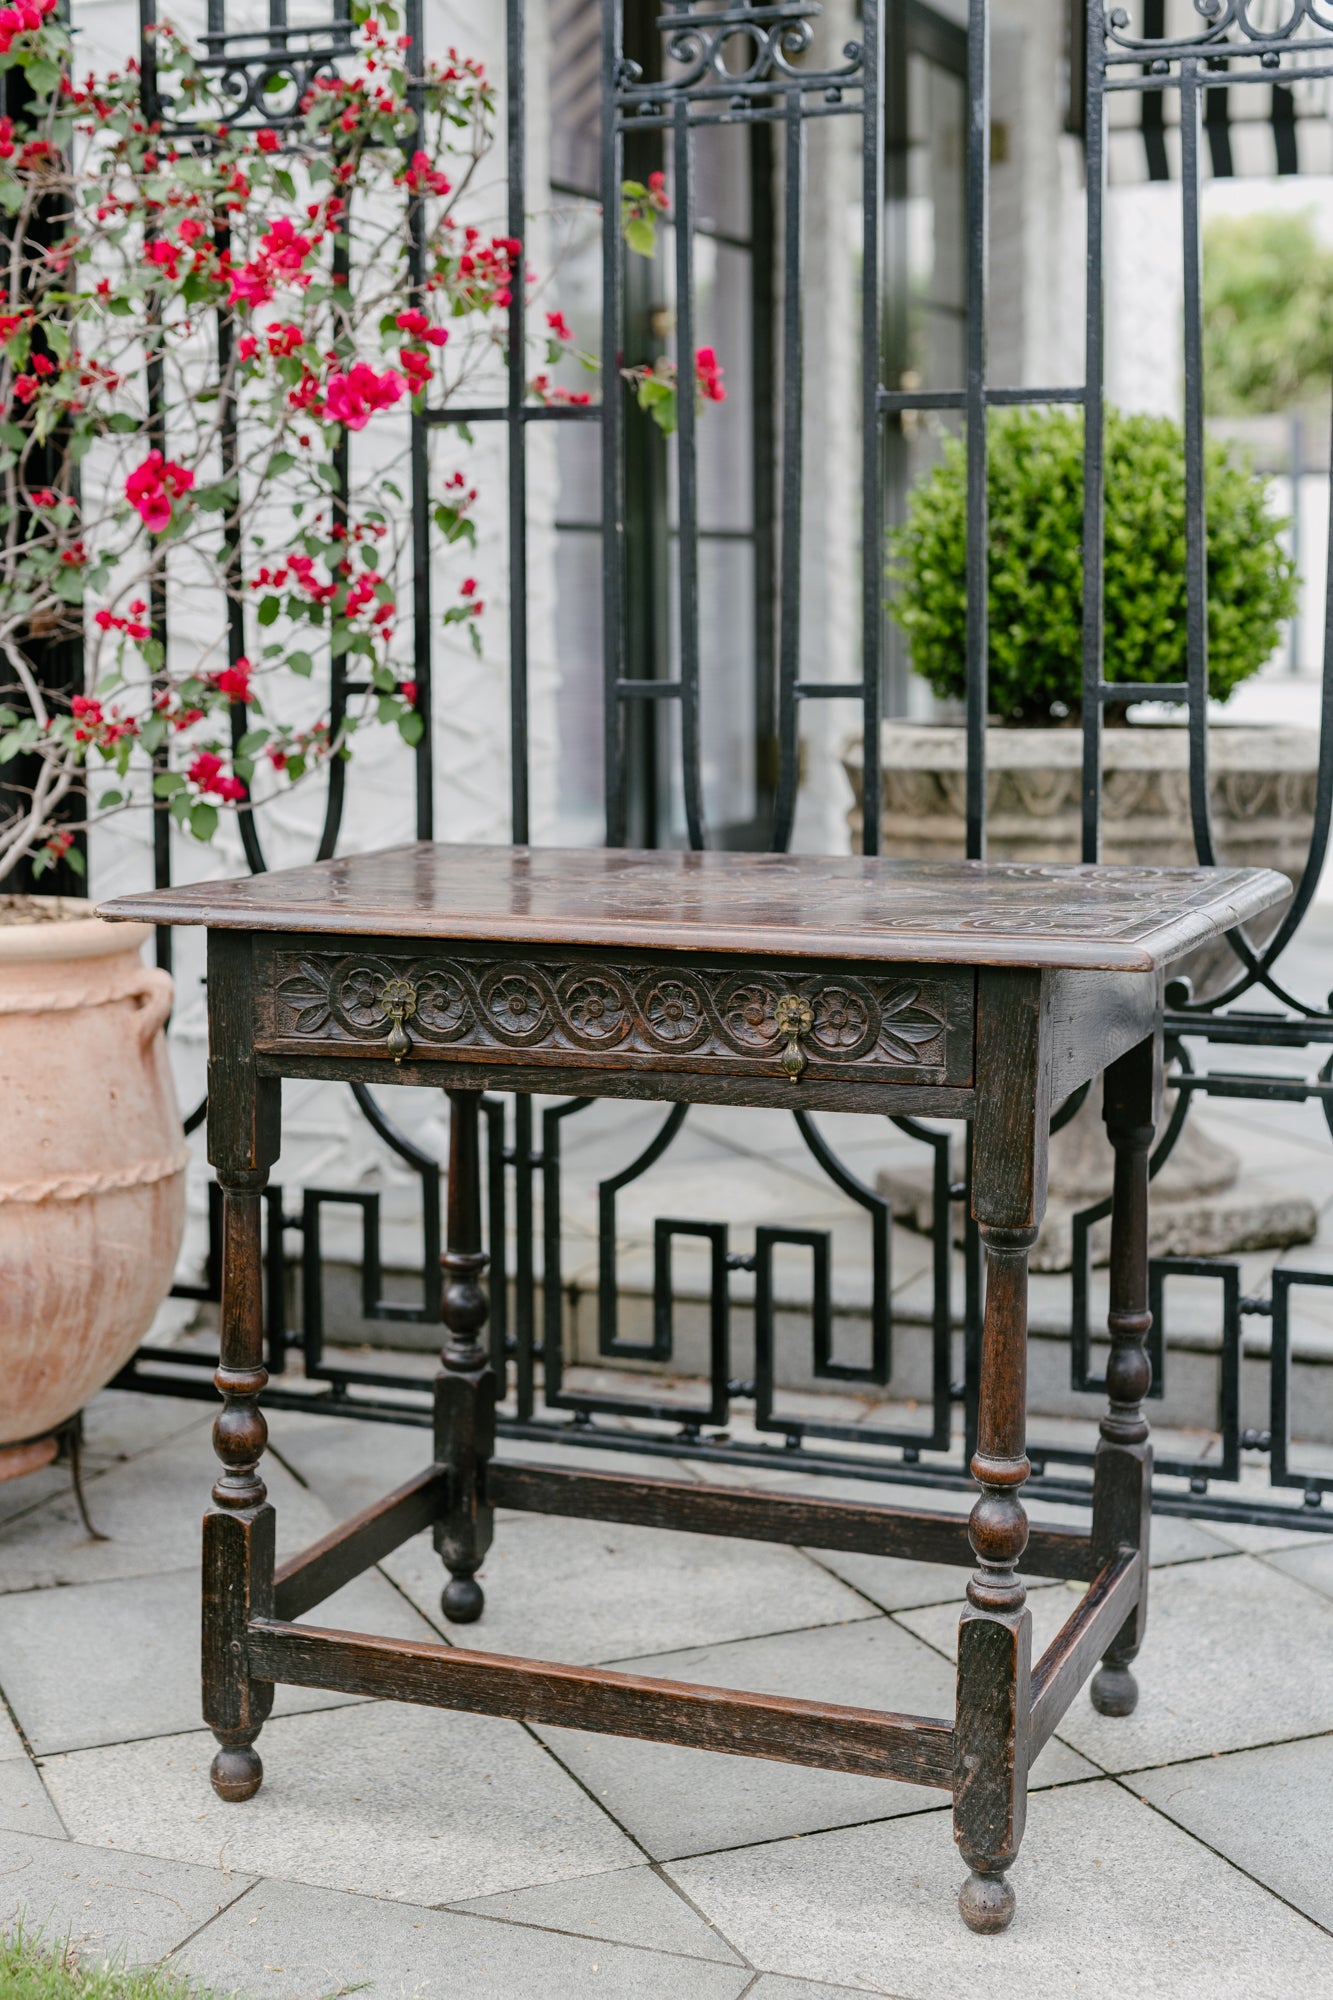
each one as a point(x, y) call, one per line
point(968, 990)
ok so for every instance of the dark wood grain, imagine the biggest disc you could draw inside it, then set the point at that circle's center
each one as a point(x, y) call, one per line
point(306, 1579)
point(765, 905)
point(243, 1140)
point(911, 988)
point(1090, 1627)
point(1122, 1466)
point(879, 1091)
point(915, 1749)
point(465, 1385)
point(652, 1011)
point(995, 1636)
point(755, 1515)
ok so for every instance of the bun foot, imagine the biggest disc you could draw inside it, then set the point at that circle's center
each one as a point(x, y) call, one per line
point(237, 1772)
point(462, 1600)
point(1114, 1691)
point(986, 1903)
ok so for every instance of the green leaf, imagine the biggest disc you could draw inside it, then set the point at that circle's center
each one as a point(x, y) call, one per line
point(302, 664)
point(411, 726)
point(74, 861)
point(269, 607)
point(281, 461)
point(203, 820)
point(109, 799)
point(641, 235)
point(166, 784)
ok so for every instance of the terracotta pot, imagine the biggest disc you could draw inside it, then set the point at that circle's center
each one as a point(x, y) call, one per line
point(92, 1173)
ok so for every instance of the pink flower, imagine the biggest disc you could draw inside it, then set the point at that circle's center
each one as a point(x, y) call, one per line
point(559, 326)
point(151, 488)
point(207, 773)
point(234, 682)
point(417, 327)
point(708, 373)
point(247, 347)
point(250, 286)
point(267, 140)
point(285, 250)
point(354, 397)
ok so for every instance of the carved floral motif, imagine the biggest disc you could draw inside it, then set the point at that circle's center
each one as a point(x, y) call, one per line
point(564, 1009)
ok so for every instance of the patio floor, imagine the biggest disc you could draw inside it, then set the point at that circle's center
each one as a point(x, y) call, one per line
point(401, 1851)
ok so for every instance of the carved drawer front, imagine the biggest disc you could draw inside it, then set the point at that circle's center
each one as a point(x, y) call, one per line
point(577, 1012)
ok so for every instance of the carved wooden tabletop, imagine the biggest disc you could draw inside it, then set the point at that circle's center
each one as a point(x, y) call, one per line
point(926, 912)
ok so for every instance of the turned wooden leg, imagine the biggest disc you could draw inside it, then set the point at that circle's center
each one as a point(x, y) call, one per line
point(244, 1116)
point(995, 1635)
point(465, 1385)
point(992, 1718)
point(1122, 1473)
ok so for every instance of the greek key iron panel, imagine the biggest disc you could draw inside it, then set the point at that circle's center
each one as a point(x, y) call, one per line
point(919, 1026)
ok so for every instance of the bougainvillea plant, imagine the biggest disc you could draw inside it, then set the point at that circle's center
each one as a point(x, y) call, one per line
point(209, 347)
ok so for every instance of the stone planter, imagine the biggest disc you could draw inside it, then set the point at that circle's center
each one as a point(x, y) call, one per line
point(1262, 793)
point(92, 1176)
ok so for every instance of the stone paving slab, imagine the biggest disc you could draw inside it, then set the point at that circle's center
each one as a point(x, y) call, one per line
point(1270, 1811)
point(771, 1986)
point(108, 1904)
point(149, 1509)
point(421, 1805)
point(122, 1424)
point(129, 1656)
point(25, 1806)
point(600, 1591)
point(681, 1801)
point(287, 1942)
point(11, 1743)
point(386, 1455)
point(1310, 1564)
point(1226, 1664)
point(632, 1906)
point(1113, 1901)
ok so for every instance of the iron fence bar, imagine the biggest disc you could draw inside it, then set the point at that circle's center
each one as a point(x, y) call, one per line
point(872, 442)
point(792, 447)
point(529, 413)
point(1196, 502)
point(339, 689)
point(895, 400)
point(613, 474)
point(978, 497)
point(687, 476)
point(422, 649)
point(516, 370)
point(1094, 441)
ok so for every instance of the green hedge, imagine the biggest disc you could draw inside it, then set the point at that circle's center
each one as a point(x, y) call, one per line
point(1035, 465)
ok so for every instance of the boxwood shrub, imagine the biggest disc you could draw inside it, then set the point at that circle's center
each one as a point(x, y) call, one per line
point(1035, 464)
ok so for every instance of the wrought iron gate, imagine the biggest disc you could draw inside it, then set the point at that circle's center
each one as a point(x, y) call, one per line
point(696, 66)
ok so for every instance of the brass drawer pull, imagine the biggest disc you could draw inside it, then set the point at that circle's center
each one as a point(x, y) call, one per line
point(795, 1017)
point(398, 1001)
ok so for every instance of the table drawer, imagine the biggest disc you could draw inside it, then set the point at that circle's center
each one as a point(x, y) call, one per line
point(580, 1010)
